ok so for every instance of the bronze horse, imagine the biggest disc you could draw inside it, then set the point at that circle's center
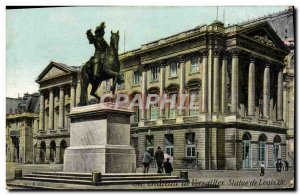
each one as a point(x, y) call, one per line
point(95, 77)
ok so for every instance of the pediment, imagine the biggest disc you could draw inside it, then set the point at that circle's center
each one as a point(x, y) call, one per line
point(53, 70)
point(263, 33)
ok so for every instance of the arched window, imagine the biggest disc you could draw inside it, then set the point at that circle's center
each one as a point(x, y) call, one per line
point(276, 148)
point(63, 146)
point(172, 91)
point(42, 152)
point(136, 97)
point(52, 151)
point(153, 108)
point(262, 148)
point(194, 88)
point(247, 158)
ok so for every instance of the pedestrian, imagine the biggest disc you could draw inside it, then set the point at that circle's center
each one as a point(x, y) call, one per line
point(280, 165)
point(159, 157)
point(286, 165)
point(146, 160)
point(277, 166)
point(168, 167)
point(262, 169)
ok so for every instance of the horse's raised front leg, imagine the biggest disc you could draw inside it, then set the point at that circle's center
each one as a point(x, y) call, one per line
point(109, 72)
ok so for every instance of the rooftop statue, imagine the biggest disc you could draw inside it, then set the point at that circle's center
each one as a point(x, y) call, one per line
point(102, 66)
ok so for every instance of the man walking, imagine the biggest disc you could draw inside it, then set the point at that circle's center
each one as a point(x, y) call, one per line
point(146, 161)
point(159, 157)
point(262, 169)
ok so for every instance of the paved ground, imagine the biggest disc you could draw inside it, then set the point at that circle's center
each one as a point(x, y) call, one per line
point(226, 179)
point(29, 168)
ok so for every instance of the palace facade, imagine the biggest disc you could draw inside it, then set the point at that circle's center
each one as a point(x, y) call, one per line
point(21, 120)
point(242, 76)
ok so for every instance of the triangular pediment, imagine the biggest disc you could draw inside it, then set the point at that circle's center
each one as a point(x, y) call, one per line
point(53, 70)
point(263, 33)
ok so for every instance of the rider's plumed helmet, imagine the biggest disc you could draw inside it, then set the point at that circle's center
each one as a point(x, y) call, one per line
point(100, 29)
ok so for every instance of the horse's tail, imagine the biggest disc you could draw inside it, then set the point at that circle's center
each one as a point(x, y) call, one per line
point(83, 85)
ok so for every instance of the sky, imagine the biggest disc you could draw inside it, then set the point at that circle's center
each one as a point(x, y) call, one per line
point(34, 37)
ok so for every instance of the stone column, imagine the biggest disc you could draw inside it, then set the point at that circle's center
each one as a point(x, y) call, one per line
point(224, 85)
point(204, 82)
point(42, 107)
point(216, 96)
point(61, 108)
point(213, 148)
point(144, 92)
point(162, 87)
point(266, 92)
point(51, 110)
point(251, 88)
point(210, 82)
point(73, 96)
point(35, 125)
point(234, 82)
point(280, 96)
point(181, 112)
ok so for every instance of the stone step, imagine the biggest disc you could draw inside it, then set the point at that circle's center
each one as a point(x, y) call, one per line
point(107, 181)
point(131, 174)
point(64, 173)
point(58, 180)
point(84, 177)
point(144, 181)
point(139, 178)
point(104, 177)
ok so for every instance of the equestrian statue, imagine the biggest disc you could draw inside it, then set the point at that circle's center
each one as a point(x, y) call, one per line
point(102, 66)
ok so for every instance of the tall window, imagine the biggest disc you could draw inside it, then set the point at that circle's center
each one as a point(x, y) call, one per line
point(154, 73)
point(194, 64)
point(247, 153)
point(172, 108)
point(169, 142)
point(136, 78)
point(122, 85)
point(276, 148)
point(107, 85)
point(150, 144)
point(195, 97)
point(262, 147)
point(136, 114)
point(173, 69)
point(154, 112)
point(190, 145)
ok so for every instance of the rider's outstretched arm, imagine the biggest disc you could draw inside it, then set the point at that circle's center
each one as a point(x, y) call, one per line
point(90, 36)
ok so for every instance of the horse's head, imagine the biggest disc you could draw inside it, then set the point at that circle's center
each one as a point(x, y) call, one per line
point(114, 40)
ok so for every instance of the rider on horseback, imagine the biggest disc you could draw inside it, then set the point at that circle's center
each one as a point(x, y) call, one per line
point(100, 52)
point(102, 66)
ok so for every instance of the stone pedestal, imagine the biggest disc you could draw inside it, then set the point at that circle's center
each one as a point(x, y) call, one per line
point(99, 140)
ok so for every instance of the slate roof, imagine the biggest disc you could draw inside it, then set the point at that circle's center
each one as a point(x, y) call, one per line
point(27, 103)
point(12, 105)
